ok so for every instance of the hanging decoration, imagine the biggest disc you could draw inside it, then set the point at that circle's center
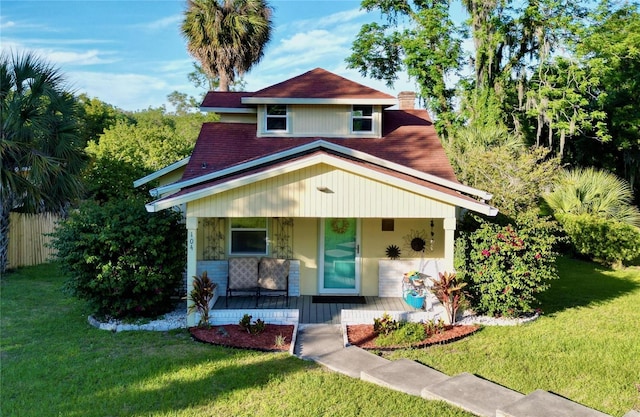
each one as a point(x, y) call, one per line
point(432, 240)
point(416, 241)
point(340, 226)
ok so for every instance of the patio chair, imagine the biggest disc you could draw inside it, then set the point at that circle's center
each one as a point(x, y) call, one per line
point(243, 277)
point(273, 277)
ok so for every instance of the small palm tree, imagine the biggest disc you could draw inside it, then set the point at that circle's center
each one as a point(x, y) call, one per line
point(595, 192)
point(227, 36)
point(41, 150)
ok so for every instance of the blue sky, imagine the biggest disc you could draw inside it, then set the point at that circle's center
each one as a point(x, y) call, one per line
point(130, 53)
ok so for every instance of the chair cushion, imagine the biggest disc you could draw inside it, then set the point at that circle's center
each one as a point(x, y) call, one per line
point(243, 273)
point(273, 274)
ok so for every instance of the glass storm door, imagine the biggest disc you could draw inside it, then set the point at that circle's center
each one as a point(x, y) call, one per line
point(339, 263)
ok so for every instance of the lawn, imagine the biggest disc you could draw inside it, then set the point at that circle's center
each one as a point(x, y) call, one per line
point(54, 364)
point(585, 347)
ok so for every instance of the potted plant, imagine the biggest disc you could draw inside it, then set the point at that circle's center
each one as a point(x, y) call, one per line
point(201, 295)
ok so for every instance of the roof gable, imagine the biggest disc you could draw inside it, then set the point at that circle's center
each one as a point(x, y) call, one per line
point(320, 84)
point(383, 175)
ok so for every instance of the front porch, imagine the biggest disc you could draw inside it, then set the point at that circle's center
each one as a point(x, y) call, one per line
point(309, 312)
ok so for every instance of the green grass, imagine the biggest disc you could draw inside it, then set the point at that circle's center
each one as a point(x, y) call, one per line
point(585, 347)
point(54, 364)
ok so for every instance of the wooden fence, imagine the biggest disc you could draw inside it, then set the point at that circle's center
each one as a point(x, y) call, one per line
point(28, 240)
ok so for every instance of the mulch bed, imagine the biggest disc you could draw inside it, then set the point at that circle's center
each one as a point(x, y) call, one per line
point(232, 335)
point(363, 336)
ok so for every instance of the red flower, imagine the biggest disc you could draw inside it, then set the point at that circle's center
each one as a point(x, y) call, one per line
point(486, 253)
point(538, 255)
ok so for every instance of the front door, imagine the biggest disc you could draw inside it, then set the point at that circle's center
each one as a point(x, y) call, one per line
point(339, 256)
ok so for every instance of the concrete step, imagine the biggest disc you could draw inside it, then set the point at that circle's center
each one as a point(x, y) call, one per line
point(404, 375)
point(543, 404)
point(472, 394)
point(351, 361)
point(632, 413)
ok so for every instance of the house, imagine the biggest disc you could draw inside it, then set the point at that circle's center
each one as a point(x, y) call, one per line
point(320, 170)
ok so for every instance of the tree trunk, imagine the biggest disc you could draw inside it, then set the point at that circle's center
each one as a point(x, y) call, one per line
point(5, 212)
point(223, 82)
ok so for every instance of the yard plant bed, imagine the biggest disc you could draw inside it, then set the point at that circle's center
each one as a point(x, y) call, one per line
point(363, 336)
point(232, 335)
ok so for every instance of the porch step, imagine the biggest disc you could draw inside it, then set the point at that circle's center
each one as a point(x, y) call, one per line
point(542, 404)
point(404, 375)
point(472, 394)
point(632, 413)
point(324, 344)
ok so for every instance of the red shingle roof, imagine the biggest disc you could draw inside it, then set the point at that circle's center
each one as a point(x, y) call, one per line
point(320, 84)
point(409, 139)
point(224, 99)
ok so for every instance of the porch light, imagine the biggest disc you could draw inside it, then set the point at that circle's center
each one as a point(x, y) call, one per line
point(324, 189)
point(204, 165)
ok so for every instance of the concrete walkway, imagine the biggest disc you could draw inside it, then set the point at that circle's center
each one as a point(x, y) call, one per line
point(325, 344)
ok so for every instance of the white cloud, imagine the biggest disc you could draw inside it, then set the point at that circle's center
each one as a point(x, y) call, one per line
point(160, 24)
point(127, 91)
point(331, 20)
point(4, 25)
point(90, 57)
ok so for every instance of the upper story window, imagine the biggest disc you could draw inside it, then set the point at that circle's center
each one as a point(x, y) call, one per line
point(362, 119)
point(276, 117)
point(248, 236)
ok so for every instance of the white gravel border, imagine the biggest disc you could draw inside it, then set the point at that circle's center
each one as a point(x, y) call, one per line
point(178, 320)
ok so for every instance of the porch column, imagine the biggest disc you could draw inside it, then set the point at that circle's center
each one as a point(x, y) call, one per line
point(449, 242)
point(192, 246)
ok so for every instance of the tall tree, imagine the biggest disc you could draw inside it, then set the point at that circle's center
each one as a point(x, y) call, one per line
point(227, 36)
point(39, 143)
point(609, 50)
point(427, 44)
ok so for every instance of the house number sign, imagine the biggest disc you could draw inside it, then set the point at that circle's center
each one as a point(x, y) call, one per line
point(191, 240)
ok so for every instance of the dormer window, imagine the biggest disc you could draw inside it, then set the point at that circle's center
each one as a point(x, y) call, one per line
point(276, 117)
point(362, 119)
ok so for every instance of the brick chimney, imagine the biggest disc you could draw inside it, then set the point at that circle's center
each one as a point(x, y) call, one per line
point(406, 100)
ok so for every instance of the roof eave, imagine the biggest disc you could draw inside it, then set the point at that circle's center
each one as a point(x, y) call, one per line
point(473, 205)
point(155, 175)
point(323, 101)
point(247, 110)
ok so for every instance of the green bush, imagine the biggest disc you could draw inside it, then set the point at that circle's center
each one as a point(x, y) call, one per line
point(124, 261)
point(407, 333)
point(607, 240)
point(506, 266)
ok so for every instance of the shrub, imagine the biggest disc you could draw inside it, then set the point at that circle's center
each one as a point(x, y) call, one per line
point(256, 327)
point(124, 261)
point(407, 333)
point(449, 290)
point(608, 240)
point(385, 324)
point(506, 266)
point(201, 295)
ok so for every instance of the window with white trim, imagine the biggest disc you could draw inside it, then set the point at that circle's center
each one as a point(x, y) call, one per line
point(276, 115)
point(248, 236)
point(362, 119)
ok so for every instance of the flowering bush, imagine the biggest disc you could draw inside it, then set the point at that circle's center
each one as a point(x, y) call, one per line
point(506, 266)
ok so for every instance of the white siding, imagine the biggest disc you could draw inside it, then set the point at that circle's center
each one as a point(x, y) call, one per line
point(296, 194)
